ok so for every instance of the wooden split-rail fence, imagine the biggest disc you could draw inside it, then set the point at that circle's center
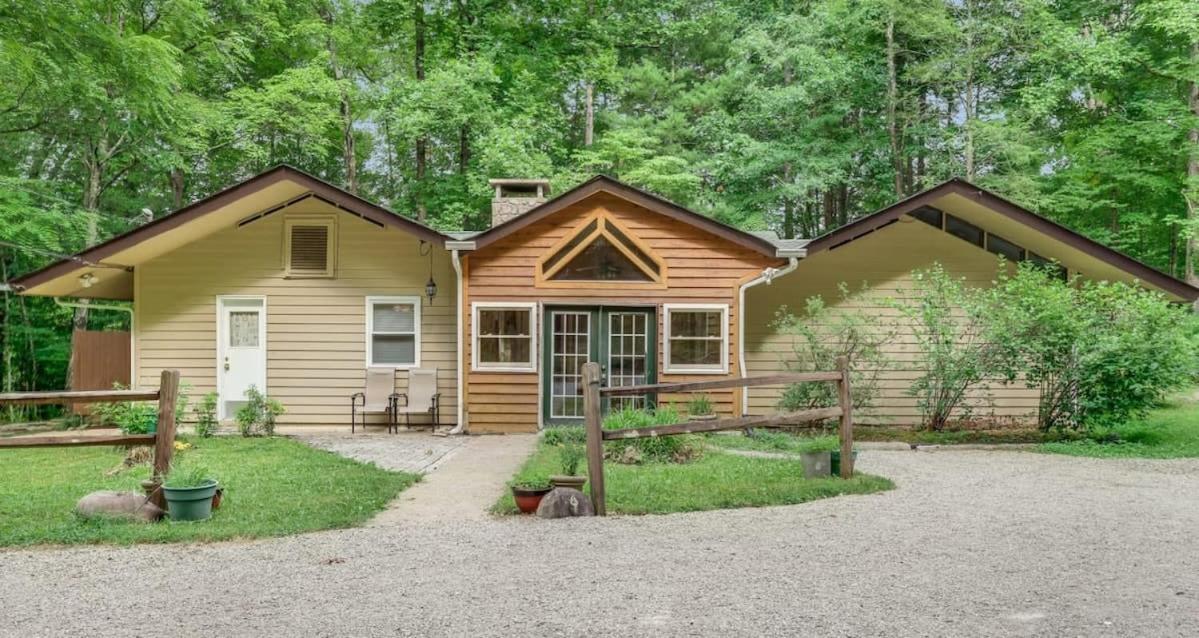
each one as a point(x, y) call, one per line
point(596, 435)
point(163, 439)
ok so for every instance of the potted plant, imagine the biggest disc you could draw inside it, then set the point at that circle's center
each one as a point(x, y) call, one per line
point(816, 455)
point(528, 492)
point(835, 460)
point(571, 455)
point(189, 491)
point(699, 408)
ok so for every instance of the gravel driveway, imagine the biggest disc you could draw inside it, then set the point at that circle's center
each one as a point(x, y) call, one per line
point(971, 543)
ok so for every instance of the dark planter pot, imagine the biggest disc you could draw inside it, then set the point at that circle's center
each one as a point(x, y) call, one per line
point(815, 464)
point(528, 500)
point(835, 461)
point(190, 503)
point(573, 482)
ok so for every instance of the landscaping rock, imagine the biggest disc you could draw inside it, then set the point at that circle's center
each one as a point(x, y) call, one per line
point(563, 502)
point(123, 505)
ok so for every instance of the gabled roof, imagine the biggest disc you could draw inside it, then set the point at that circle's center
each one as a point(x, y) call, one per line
point(649, 201)
point(1009, 210)
point(319, 188)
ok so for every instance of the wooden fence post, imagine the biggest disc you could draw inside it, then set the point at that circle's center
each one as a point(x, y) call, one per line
point(846, 427)
point(164, 438)
point(595, 439)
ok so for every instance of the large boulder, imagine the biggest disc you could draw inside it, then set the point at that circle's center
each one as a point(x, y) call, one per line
point(562, 502)
point(129, 506)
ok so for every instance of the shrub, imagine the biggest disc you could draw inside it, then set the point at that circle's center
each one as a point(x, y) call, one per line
point(821, 334)
point(949, 322)
point(662, 449)
point(187, 475)
point(131, 417)
point(819, 444)
point(1099, 352)
point(257, 417)
point(205, 413)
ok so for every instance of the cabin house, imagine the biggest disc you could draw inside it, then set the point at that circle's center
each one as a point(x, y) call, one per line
point(287, 283)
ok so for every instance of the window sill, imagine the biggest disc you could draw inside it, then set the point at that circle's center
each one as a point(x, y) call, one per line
point(478, 368)
point(695, 371)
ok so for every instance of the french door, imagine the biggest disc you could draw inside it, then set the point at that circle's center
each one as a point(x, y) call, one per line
point(622, 340)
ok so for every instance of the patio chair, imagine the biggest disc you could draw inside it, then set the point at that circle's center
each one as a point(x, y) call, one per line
point(379, 398)
point(422, 397)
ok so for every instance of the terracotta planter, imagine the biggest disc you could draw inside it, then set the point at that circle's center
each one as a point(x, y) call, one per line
point(216, 498)
point(573, 482)
point(528, 500)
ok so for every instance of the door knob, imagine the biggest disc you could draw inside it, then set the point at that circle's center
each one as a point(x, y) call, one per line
point(226, 363)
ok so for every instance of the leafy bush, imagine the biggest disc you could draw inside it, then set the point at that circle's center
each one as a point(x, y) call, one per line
point(257, 417)
point(821, 334)
point(949, 322)
point(1099, 352)
point(139, 417)
point(662, 449)
point(819, 444)
point(205, 413)
point(532, 481)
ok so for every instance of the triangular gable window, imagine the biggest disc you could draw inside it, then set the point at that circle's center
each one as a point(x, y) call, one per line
point(601, 251)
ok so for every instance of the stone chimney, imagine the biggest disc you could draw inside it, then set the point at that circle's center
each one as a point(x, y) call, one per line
point(515, 197)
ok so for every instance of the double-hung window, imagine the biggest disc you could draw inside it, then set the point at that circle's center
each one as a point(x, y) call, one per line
point(504, 336)
point(393, 332)
point(697, 338)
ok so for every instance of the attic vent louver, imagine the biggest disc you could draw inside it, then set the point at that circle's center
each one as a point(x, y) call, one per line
point(309, 248)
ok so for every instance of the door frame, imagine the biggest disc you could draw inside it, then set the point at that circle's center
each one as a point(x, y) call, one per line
point(598, 347)
point(220, 346)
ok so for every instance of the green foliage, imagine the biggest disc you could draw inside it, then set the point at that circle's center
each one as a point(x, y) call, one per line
point(819, 444)
point(258, 416)
point(653, 449)
point(1171, 431)
point(133, 417)
point(715, 481)
point(205, 414)
point(949, 322)
point(276, 486)
point(563, 434)
point(538, 480)
point(188, 475)
point(822, 334)
point(699, 405)
point(1100, 353)
point(572, 454)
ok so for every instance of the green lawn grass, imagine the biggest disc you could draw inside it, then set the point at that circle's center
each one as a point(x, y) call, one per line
point(777, 441)
point(717, 480)
point(1166, 433)
point(273, 487)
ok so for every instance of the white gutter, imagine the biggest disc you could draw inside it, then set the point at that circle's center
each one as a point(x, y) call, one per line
point(132, 331)
point(460, 424)
point(766, 277)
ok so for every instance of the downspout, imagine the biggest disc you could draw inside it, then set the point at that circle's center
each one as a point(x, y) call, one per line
point(766, 277)
point(460, 424)
point(132, 330)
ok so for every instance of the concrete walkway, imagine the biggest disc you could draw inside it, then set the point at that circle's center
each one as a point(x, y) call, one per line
point(465, 486)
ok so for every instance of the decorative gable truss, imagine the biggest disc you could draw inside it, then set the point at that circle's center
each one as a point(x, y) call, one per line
point(601, 251)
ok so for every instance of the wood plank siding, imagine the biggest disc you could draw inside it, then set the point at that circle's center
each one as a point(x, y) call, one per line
point(700, 268)
point(883, 260)
point(315, 328)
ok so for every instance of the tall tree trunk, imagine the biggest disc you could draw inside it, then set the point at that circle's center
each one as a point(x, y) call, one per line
point(177, 188)
point(418, 60)
point(1191, 191)
point(345, 108)
point(589, 117)
point(897, 162)
point(788, 204)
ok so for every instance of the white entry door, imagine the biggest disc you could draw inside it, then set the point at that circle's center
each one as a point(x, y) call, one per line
point(241, 350)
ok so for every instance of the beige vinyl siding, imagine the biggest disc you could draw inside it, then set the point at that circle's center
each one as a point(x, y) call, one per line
point(316, 327)
point(883, 260)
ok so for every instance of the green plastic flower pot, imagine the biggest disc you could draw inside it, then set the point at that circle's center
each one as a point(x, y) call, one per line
point(190, 503)
point(835, 461)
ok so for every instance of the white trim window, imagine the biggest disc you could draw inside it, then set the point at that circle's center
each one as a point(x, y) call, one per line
point(696, 339)
point(310, 246)
point(393, 332)
point(505, 336)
